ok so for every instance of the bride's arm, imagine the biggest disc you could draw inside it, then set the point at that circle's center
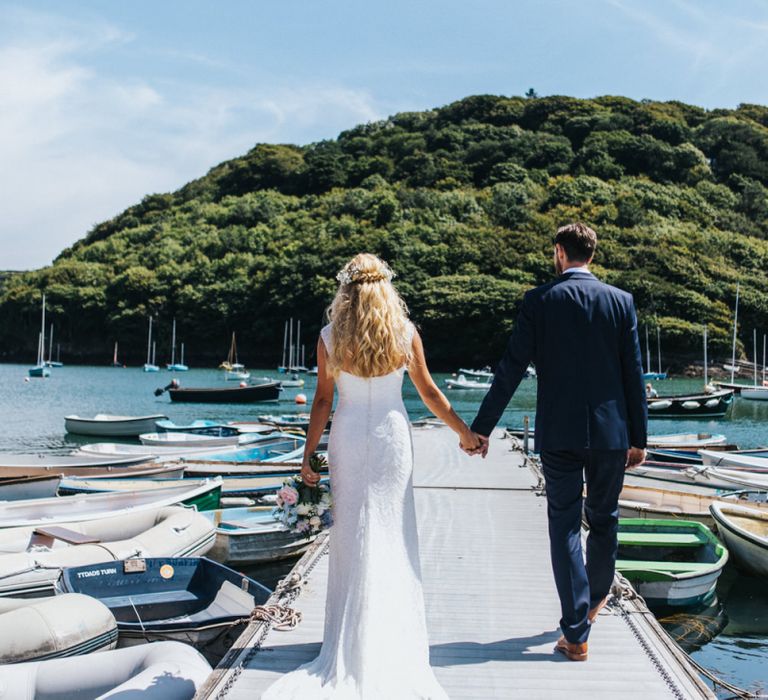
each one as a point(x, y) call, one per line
point(318, 417)
point(433, 398)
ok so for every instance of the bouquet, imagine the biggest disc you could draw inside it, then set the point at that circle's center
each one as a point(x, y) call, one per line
point(304, 509)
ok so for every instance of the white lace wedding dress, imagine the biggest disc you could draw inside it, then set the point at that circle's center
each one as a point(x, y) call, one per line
point(375, 644)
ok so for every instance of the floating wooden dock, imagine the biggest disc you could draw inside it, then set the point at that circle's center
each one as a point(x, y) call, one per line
point(491, 603)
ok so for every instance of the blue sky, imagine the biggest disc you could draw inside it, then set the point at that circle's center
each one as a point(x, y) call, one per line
point(102, 102)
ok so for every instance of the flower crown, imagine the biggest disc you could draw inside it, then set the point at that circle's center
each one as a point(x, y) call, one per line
point(353, 274)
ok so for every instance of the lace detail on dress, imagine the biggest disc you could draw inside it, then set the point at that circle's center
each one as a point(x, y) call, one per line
point(375, 644)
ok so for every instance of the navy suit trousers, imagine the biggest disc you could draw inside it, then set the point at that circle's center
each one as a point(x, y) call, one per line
point(581, 586)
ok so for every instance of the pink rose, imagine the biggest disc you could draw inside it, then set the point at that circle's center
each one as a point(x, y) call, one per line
point(289, 495)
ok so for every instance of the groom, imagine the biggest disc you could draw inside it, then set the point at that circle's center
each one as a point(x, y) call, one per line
point(591, 419)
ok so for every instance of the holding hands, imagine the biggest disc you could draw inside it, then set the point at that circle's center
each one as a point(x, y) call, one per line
point(473, 443)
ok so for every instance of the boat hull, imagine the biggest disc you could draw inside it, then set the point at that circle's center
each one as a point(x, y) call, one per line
point(682, 593)
point(143, 469)
point(47, 628)
point(29, 487)
point(715, 405)
point(246, 536)
point(240, 394)
point(755, 394)
point(139, 672)
point(192, 600)
point(117, 426)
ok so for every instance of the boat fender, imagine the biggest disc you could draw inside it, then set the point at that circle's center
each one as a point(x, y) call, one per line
point(712, 403)
point(659, 405)
point(690, 405)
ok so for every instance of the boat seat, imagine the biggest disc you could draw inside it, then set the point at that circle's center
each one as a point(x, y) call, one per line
point(46, 536)
point(675, 567)
point(661, 539)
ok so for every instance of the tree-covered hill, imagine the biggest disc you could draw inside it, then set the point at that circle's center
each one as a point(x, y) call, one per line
point(462, 201)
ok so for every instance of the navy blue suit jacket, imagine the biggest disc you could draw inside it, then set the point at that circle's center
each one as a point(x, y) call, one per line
point(581, 334)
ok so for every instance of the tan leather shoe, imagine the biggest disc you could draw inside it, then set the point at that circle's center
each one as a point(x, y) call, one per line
point(596, 610)
point(573, 652)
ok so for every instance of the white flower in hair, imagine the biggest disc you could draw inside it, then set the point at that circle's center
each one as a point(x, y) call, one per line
point(353, 273)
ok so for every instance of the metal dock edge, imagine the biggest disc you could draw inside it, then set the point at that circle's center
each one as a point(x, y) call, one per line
point(492, 609)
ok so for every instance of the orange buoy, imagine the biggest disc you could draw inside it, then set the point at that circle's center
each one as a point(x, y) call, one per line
point(301, 398)
point(243, 385)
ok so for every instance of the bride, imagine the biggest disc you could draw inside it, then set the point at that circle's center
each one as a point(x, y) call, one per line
point(375, 644)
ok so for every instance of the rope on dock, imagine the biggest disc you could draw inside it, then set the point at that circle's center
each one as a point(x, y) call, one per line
point(623, 592)
point(275, 614)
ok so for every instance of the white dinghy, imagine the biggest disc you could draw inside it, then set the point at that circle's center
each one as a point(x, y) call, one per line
point(31, 558)
point(105, 425)
point(159, 671)
point(83, 507)
point(35, 629)
point(745, 532)
point(194, 440)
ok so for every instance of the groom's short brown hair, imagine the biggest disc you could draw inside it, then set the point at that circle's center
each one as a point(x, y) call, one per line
point(578, 241)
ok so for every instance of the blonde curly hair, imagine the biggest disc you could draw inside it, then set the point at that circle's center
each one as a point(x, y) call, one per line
point(369, 320)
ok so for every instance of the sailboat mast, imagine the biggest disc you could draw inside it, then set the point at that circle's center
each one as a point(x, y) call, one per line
point(182, 353)
point(754, 345)
point(705, 358)
point(149, 341)
point(285, 341)
point(290, 345)
point(50, 345)
point(114, 355)
point(154, 351)
point(39, 349)
point(298, 339)
point(647, 353)
point(173, 343)
point(303, 358)
point(763, 359)
point(658, 344)
point(42, 336)
point(735, 319)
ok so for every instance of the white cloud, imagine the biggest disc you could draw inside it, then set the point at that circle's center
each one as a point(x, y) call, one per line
point(78, 144)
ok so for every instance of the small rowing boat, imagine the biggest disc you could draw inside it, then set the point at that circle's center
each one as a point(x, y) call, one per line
point(246, 536)
point(671, 563)
point(105, 425)
point(745, 532)
point(193, 600)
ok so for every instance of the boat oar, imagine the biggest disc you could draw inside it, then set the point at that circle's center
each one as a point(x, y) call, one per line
point(174, 384)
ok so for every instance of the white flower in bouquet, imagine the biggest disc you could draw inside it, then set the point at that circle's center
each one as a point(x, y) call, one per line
point(314, 522)
point(320, 510)
point(303, 509)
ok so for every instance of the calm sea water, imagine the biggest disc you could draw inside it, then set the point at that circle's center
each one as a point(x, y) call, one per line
point(33, 421)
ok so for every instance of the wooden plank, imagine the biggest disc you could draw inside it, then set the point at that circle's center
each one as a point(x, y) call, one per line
point(492, 610)
point(56, 532)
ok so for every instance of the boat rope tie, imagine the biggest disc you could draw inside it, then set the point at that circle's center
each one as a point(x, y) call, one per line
point(280, 618)
point(623, 592)
point(292, 590)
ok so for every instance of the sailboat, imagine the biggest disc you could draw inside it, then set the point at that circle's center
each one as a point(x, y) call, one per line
point(50, 362)
point(40, 369)
point(757, 392)
point(149, 365)
point(174, 366)
point(233, 370)
point(296, 366)
point(648, 373)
